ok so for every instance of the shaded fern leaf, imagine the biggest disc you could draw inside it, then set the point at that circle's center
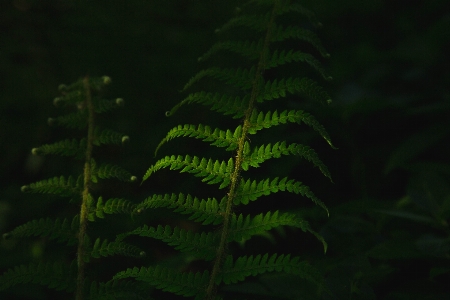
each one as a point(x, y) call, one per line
point(107, 136)
point(56, 276)
point(76, 120)
point(187, 284)
point(102, 105)
point(106, 171)
point(254, 22)
point(251, 190)
point(207, 211)
point(116, 289)
point(105, 248)
point(248, 49)
point(72, 147)
point(219, 138)
point(113, 206)
point(260, 120)
point(199, 244)
point(228, 105)
point(57, 186)
point(239, 78)
point(213, 171)
point(245, 266)
point(265, 152)
point(61, 230)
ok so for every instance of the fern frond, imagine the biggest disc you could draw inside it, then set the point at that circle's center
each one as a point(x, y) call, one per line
point(53, 275)
point(101, 105)
point(245, 266)
point(113, 206)
point(58, 186)
point(265, 152)
point(118, 289)
point(76, 120)
point(106, 171)
point(213, 171)
point(254, 22)
point(105, 248)
point(251, 190)
point(246, 49)
point(72, 147)
point(219, 138)
point(228, 105)
point(200, 244)
point(107, 136)
point(206, 211)
point(240, 78)
point(186, 284)
point(61, 230)
point(278, 88)
point(260, 120)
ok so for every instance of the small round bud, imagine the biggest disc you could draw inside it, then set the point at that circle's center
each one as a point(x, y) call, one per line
point(50, 121)
point(133, 178)
point(106, 80)
point(35, 151)
point(125, 139)
point(168, 113)
point(120, 102)
point(62, 87)
point(139, 211)
point(24, 188)
point(56, 101)
point(142, 254)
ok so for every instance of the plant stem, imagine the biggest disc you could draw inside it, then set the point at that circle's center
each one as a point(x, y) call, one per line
point(85, 194)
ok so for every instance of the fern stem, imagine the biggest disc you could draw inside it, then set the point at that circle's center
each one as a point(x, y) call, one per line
point(235, 176)
point(85, 194)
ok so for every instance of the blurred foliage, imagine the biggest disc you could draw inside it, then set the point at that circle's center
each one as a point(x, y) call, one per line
point(388, 230)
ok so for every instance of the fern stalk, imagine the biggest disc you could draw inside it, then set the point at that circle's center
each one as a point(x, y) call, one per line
point(222, 249)
point(85, 195)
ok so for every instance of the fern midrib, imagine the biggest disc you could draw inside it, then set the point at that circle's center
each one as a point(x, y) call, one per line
point(222, 248)
point(85, 194)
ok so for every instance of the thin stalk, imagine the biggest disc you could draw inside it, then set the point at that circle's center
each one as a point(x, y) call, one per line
point(81, 253)
point(235, 176)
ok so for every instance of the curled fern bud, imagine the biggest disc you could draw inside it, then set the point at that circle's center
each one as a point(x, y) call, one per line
point(35, 151)
point(168, 113)
point(106, 80)
point(120, 102)
point(133, 178)
point(56, 101)
point(25, 188)
point(125, 139)
point(50, 121)
point(62, 87)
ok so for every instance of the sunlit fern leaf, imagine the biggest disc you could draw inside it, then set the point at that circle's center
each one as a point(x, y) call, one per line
point(202, 245)
point(57, 186)
point(219, 138)
point(118, 289)
point(206, 211)
point(279, 88)
point(228, 105)
point(56, 276)
point(248, 49)
point(72, 147)
point(250, 190)
point(113, 206)
point(262, 153)
point(213, 171)
point(104, 248)
point(240, 78)
point(76, 120)
point(260, 120)
point(187, 284)
point(294, 32)
point(61, 230)
point(244, 266)
point(107, 136)
point(244, 227)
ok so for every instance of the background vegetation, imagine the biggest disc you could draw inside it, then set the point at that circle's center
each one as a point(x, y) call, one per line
point(388, 230)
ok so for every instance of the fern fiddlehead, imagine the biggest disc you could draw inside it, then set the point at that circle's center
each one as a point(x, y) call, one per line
point(252, 88)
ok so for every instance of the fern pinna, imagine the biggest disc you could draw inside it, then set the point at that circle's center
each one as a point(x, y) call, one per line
point(248, 89)
point(83, 99)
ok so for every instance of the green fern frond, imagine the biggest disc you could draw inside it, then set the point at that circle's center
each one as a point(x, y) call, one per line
point(76, 120)
point(72, 147)
point(219, 138)
point(113, 206)
point(228, 105)
point(61, 230)
point(105, 248)
point(265, 152)
point(102, 105)
point(106, 171)
point(213, 171)
point(251, 190)
point(58, 186)
point(207, 211)
point(248, 49)
point(240, 77)
point(186, 284)
point(245, 266)
point(56, 276)
point(254, 22)
point(118, 289)
point(107, 136)
point(200, 244)
point(278, 88)
point(260, 120)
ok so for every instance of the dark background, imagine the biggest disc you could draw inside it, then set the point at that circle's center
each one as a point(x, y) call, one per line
point(388, 230)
